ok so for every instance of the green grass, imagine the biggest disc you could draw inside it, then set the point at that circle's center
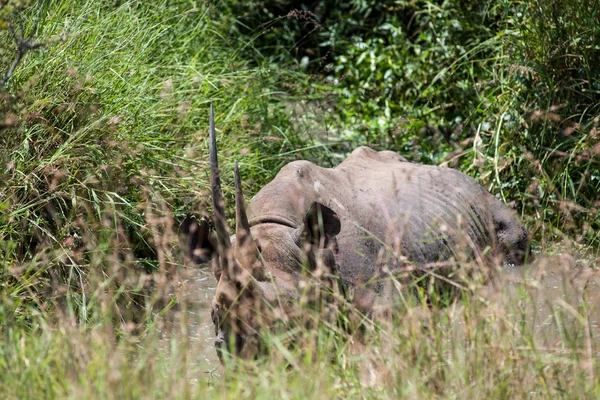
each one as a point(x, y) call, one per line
point(103, 150)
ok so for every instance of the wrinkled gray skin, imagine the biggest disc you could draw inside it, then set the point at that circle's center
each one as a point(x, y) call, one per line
point(426, 212)
point(373, 204)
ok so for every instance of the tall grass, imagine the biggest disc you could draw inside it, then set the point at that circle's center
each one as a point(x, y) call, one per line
point(104, 149)
point(515, 340)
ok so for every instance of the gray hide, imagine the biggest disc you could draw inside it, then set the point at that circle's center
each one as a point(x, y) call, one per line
point(427, 214)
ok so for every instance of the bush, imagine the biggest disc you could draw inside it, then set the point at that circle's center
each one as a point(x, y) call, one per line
point(506, 91)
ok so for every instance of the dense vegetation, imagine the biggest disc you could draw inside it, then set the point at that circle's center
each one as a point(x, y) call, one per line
point(103, 150)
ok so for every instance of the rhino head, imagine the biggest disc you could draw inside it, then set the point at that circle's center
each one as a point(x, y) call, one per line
point(258, 267)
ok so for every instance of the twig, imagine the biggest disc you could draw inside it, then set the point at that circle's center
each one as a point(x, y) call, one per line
point(24, 44)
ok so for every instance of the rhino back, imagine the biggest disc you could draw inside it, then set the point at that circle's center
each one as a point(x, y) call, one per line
point(382, 198)
point(422, 212)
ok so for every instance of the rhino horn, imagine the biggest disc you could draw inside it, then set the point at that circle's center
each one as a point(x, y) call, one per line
point(221, 228)
point(242, 227)
point(246, 249)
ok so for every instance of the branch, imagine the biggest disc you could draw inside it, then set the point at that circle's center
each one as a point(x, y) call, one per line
point(23, 46)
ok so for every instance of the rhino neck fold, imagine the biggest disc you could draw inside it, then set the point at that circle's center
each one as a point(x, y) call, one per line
point(273, 219)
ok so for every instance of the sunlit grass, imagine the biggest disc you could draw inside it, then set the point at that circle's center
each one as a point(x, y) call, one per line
point(532, 333)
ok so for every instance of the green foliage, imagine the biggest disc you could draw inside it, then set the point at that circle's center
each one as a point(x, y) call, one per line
point(558, 102)
point(504, 90)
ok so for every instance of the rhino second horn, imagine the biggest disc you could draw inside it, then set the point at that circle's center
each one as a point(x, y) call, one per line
point(221, 228)
point(246, 250)
point(242, 227)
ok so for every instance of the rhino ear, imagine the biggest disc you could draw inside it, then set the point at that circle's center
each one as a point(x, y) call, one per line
point(195, 239)
point(321, 224)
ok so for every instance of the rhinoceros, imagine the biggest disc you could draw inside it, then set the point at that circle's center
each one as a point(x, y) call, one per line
point(373, 209)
